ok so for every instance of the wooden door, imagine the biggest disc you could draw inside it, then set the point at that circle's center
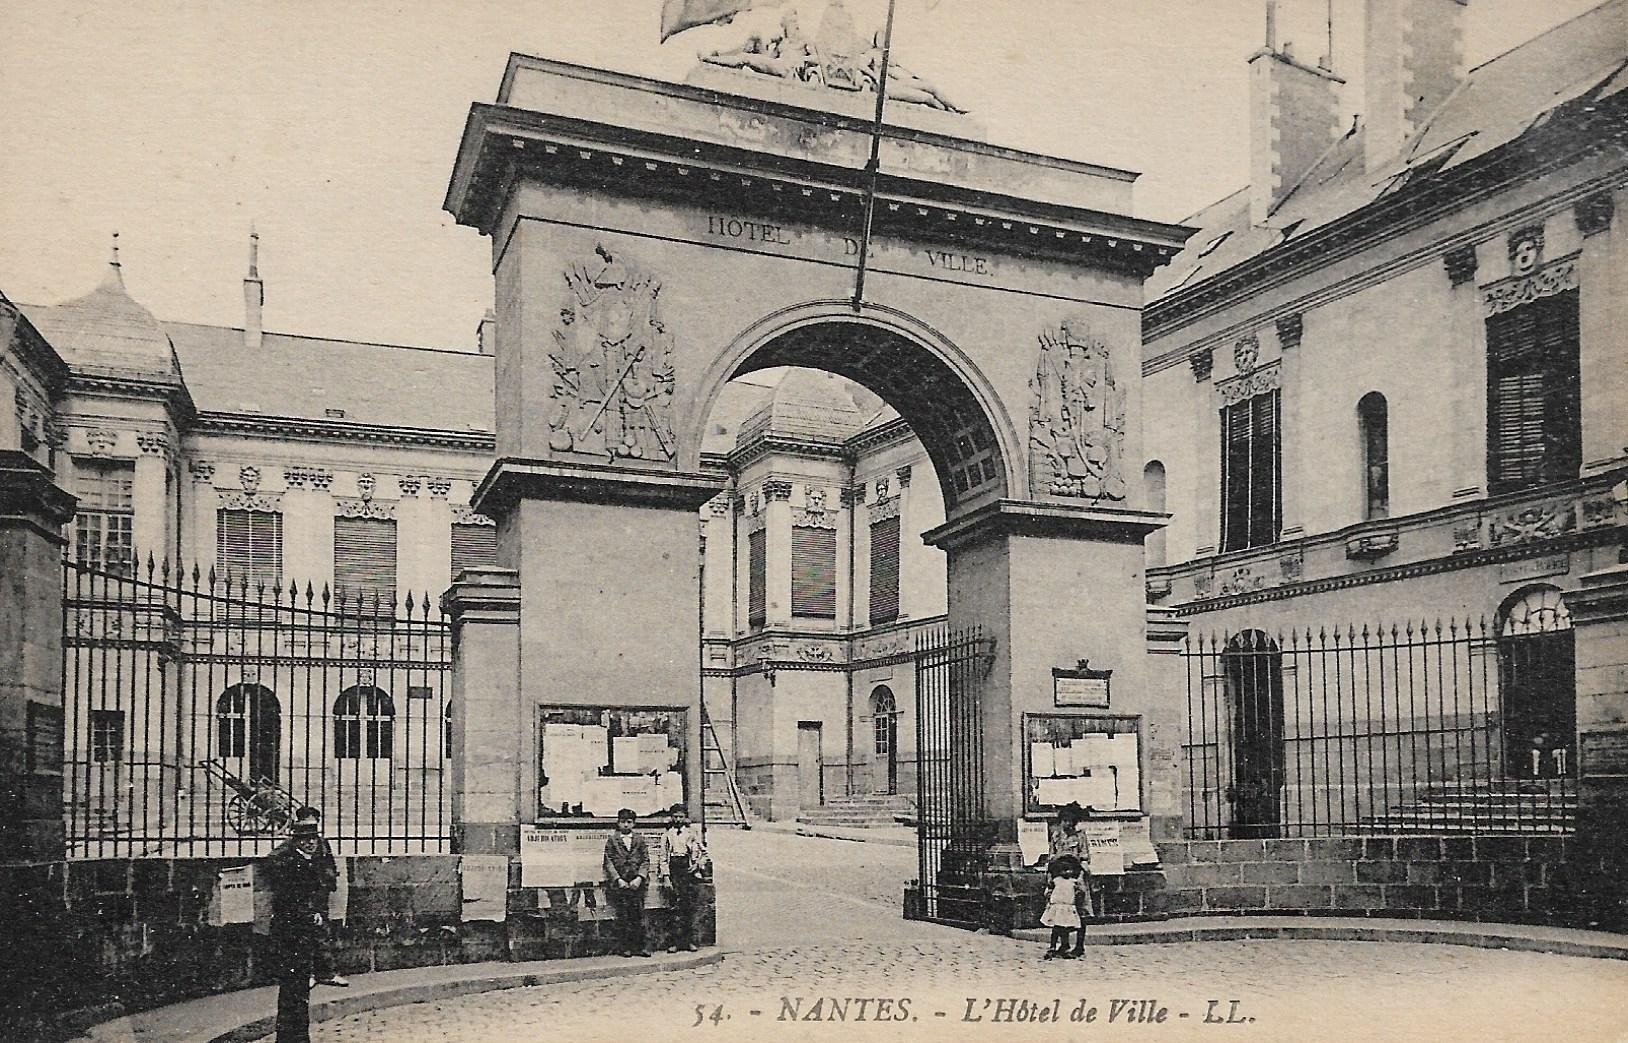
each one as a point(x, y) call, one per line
point(810, 765)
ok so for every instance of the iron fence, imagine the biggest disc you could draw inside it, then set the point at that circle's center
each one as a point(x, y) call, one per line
point(201, 710)
point(1438, 728)
point(953, 831)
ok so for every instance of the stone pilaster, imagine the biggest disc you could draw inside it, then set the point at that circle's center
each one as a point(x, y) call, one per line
point(1599, 611)
point(1468, 329)
point(1162, 724)
point(32, 513)
point(150, 527)
point(777, 574)
point(490, 725)
point(1602, 335)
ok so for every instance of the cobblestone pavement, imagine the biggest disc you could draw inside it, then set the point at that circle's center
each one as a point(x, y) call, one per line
point(808, 940)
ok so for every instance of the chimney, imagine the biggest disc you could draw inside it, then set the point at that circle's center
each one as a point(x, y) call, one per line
point(1413, 57)
point(254, 295)
point(486, 333)
point(1293, 120)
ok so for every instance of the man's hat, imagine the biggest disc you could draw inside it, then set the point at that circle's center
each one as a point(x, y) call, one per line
point(305, 828)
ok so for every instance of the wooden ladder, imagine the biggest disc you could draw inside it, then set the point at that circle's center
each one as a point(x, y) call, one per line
point(721, 799)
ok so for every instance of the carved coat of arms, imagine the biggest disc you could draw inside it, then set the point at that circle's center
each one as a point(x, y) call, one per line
point(1077, 421)
point(613, 365)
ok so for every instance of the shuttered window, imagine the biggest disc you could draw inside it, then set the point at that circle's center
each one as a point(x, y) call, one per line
point(757, 581)
point(249, 547)
point(103, 523)
point(813, 572)
point(1373, 422)
point(1534, 425)
point(365, 558)
point(1251, 468)
point(473, 547)
point(885, 571)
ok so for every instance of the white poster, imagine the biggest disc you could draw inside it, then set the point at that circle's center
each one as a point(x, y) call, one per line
point(339, 897)
point(1138, 843)
point(545, 858)
point(485, 886)
point(1103, 848)
point(1033, 841)
point(234, 897)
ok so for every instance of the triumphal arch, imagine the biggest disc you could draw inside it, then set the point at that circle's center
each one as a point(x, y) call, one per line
point(650, 242)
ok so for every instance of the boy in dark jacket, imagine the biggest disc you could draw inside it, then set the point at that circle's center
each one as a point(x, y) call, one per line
point(627, 875)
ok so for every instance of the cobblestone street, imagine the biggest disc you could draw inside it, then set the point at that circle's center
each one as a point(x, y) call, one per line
point(816, 950)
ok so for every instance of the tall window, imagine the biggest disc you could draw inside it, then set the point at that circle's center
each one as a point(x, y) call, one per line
point(365, 559)
point(813, 572)
point(249, 546)
point(364, 723)
point(1251, 470)
point(106, 736)
point(1373, 426)
point(885, 570)
point(102, 528)
point(1534, 425)
point(473, 547)
point(757, 582)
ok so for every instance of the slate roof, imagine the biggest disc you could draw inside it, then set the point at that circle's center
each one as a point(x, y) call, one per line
point(106, 331)
point(1498, 102)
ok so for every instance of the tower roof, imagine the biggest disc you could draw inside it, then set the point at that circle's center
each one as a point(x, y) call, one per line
point(107, 330)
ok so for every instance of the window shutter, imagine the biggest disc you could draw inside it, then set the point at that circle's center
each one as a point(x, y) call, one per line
point(1264, 486)
point(1235, 476)
point(473, 547)
point(365, 558)
point(884, 571)
point(813, 572)
point(756, 577)
point(249, 546)
point(1534, 427)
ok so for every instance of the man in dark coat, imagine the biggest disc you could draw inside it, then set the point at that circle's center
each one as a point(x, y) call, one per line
point(300, 879)
point(627, 875)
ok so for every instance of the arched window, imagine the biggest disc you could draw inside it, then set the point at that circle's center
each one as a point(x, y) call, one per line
point(248, 723)
point(1373, 425)
point(446, 732)
point(1153, 482)
point(885, 720)
point(1253, 666)
point(364, 723)
point(1537, 675)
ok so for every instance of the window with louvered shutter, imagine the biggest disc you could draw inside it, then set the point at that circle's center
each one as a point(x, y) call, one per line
point(1251, 473)
point(1373, 426)
point(249, 547)
point(757, 580)
point(1534, 426)
point(473, 547)
point(813, 572)
point(365, 558)
point(884, 571)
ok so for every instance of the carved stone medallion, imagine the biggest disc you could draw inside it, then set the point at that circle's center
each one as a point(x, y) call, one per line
point(613, 365)
point(1077, 421)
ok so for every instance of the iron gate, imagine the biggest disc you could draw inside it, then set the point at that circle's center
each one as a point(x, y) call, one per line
point(953, 831)
point(1439, 728)
point(201, 710)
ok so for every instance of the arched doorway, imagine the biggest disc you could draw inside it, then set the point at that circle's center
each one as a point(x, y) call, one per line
point(249, 728)
point(1253, 668)
point(885, 741)
point(1537, 678)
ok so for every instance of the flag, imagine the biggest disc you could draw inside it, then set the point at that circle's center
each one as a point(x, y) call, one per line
point(679, 15)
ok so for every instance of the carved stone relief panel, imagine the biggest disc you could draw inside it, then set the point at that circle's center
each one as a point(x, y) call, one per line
point(612, 359)
point(1077, 419)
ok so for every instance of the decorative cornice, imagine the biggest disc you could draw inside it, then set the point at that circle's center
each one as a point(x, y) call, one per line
point(410, 484)
point(298, 429)
point(202, 470)
point(1513, 292)
point(234, 500)
point(512, 479)
point(463, 514)
point(174, 394)
point(152, 443)
point(776, 489)
point(1290, 329)
point(1202, 363)
point(382, 510)
point(1040, 518)
point(903, 475)
point(300, 477)
point(1248, 385)
point(440, 486)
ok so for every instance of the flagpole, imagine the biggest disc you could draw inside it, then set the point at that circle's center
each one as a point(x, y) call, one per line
point(873, 167)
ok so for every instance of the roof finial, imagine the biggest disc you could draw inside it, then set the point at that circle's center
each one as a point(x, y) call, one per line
point(254, 252)
point(115, 261)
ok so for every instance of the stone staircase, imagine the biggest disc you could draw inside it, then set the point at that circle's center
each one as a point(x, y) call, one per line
point(863, 812)
point(1542, 806)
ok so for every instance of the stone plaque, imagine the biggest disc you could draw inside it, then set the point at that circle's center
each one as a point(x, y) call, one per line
point(1534, 568)
point(1081, 691)
point(1605, 753)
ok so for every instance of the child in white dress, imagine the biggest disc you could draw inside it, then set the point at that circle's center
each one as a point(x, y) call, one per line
point(1062, 914)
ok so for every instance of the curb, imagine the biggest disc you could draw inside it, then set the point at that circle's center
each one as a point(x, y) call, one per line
point(485, 977)
point(800, 830)
point(1601, 946)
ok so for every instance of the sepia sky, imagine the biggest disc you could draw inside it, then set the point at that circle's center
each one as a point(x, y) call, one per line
point(333, 125)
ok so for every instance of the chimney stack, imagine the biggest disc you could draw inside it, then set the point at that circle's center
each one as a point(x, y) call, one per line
point(1293, 119)
point(486, 333)
point(254, 295)
point(1413, 57)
